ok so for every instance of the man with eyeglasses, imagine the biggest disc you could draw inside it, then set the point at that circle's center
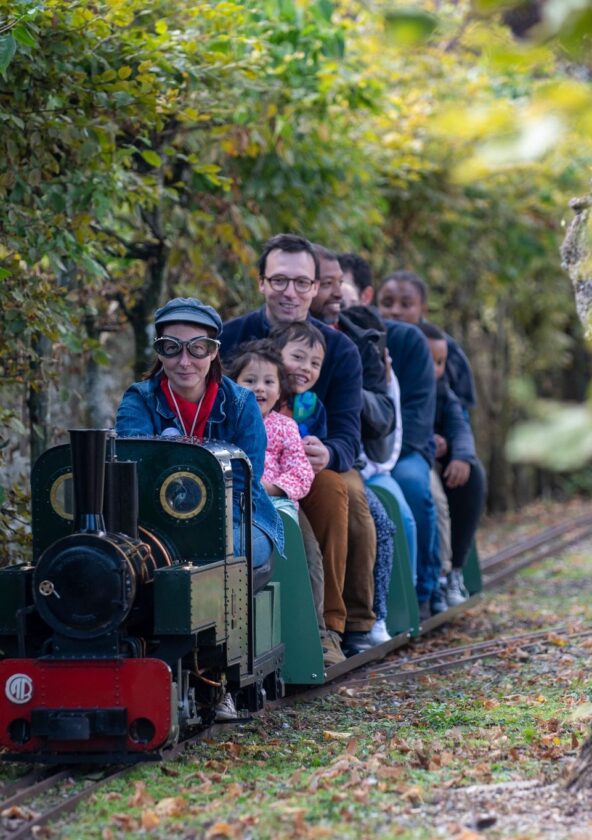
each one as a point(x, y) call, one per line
point(289, 281)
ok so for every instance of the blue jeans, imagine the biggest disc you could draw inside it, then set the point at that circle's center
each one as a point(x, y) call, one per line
point(412, 473)
point(262, 546)
point(389, 484)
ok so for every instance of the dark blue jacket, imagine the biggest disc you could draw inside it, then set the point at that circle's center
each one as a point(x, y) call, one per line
point(339, 386)
point(235, 418)
point(452, 425)
point(414, 368)
point(459, 374)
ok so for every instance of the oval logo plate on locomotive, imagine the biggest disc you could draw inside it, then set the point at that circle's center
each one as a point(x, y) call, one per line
point(19, 688)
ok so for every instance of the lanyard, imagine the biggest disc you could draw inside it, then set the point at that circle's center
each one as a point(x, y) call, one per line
point(180, 416)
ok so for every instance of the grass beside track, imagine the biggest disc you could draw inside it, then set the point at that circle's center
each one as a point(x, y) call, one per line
point(377, 760)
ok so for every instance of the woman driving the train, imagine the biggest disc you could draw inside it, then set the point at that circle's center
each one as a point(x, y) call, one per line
point(185, 394)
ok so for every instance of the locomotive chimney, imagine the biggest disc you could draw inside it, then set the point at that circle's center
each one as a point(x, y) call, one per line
point(121, 497)
point(88, 447)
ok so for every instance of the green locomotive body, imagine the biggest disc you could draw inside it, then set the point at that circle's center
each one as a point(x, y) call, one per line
point(164, 583)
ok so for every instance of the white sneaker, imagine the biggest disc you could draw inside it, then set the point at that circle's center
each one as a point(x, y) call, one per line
point(456, 591)
point(379, 634)
point(226, 710)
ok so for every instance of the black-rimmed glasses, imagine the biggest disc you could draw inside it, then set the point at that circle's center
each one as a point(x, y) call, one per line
point(279, 283)
point(199, 347)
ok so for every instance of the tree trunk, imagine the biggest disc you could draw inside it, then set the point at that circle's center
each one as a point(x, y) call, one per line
point(141, 314)
point(576, 256)
point(492, 368)
point(37, 399)
point(97, 414)
point(580, 777)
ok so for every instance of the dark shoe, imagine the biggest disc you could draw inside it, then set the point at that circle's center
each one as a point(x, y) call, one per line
point(424, 611)
point(438, 602)
point(354, 641)
point(456, 591)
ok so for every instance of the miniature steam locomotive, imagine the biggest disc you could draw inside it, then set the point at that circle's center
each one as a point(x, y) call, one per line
point(135, 616)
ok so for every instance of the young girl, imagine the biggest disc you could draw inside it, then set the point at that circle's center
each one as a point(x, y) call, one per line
point(287, 475)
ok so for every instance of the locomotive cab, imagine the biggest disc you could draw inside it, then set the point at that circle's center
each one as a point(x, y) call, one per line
point(137, 612)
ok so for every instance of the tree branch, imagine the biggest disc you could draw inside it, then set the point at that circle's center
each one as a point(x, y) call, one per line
point(137, 251)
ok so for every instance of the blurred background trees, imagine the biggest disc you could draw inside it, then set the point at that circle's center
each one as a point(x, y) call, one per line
point(149, 147)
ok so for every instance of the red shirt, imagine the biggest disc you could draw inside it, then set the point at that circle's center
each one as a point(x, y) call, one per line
point(188, 409)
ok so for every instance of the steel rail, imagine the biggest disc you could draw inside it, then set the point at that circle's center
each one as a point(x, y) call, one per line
point(412, 660)
point(35, 789)
point(53, 812)
point(535, 554)
point(527, 543)
point(21, 782)
point(458, 656)
point(495, 650)
point(25, 795)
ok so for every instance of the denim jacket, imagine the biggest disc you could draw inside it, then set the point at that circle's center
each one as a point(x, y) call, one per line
point(235, 418)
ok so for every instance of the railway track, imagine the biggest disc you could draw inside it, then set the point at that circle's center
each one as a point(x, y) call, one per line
point(44, 795)
point(447, 659)
point(507, 562)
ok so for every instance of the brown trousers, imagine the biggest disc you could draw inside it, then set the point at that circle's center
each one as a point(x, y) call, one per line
point(314, 559)
point(337, 509)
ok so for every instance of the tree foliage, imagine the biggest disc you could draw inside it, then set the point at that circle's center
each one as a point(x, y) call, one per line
point(149, 148)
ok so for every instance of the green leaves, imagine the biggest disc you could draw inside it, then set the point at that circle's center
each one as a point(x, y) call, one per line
point(23, 36)
point(18, 35)
point(7, 51)
point(151, 157)
point(145, 141)
point(561, 439)
point(409, 27)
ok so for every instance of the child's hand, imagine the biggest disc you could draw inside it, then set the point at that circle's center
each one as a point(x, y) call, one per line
point(457, 473)
point(272, 489)
point(316, 452)
point(441, 446)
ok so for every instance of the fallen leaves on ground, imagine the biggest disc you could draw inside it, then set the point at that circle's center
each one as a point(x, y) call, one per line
point(452, 754)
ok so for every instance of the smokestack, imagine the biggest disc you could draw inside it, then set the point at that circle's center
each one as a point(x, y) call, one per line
point(88, 447)
point(121, 498)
